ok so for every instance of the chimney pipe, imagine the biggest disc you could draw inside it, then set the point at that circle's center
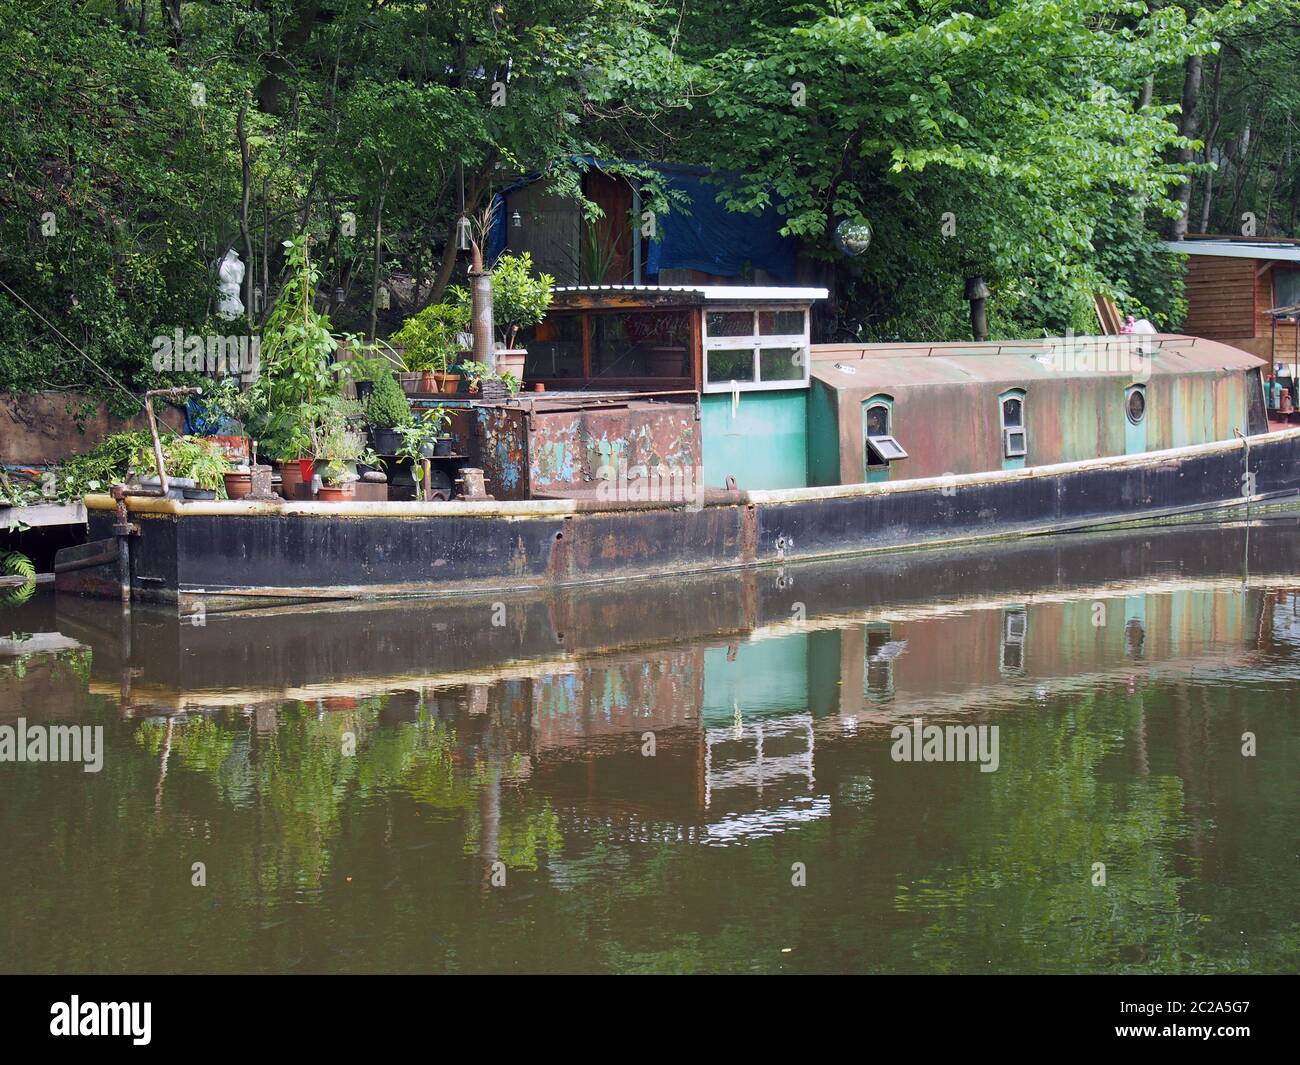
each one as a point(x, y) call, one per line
point(480, 288)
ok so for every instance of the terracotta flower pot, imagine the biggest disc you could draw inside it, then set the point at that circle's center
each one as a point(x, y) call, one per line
point(333, 494)
point(238, 485)
point(292, 475)
point(448, 383)
point(511, 361)
point(428, 381)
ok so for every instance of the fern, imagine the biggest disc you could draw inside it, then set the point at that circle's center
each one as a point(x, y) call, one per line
point(15, 563)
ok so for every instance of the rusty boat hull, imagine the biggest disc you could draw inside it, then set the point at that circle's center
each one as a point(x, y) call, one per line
point(225, 555)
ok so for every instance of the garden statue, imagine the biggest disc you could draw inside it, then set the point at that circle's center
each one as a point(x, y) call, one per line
point(231, 274)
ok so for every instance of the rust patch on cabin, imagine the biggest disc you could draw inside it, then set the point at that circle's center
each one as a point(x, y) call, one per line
point(528, 451)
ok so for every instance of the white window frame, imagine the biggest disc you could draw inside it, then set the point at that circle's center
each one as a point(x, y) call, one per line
point(1008, 431)
point(801, 342)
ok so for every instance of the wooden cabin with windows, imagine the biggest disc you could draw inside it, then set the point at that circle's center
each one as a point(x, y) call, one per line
point(884, 412)
point(1232, 283)
point(738, 352)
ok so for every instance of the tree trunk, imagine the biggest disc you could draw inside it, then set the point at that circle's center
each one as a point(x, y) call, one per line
point(245, 158)
point(1187, 127)
point(1216, 117)
point(171, 18)
point(379, 262)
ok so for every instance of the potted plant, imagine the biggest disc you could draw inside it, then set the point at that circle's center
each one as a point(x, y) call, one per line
point(490, 384)
point(300, 377)
point(387, 408)
point(195, 464)
point(430, 340)
point(519, 300)
point(423, 438)
point(338, 447)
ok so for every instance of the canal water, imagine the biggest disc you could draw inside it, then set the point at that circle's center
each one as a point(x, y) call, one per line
point(731, 774)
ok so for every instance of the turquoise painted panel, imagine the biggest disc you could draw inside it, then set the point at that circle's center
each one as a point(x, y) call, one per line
point(766, 677)
point(763, 443)
point(823, 435)
point(1135, 436)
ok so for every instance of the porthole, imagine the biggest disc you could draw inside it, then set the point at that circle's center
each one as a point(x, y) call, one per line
point(1136, 406)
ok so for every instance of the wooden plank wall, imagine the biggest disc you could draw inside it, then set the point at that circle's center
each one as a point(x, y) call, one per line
point(1221, 298)
point(1264, 299)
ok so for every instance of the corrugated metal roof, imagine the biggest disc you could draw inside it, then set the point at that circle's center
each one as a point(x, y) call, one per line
point(871, 367)
point(1237, 249)
point(731, 293)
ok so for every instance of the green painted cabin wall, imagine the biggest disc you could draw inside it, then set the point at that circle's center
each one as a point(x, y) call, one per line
point(823, 435)
point(765, 445)
point(954, 429)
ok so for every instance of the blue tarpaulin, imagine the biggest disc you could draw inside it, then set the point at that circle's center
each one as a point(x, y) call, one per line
point(709, 238)
point(717, 241)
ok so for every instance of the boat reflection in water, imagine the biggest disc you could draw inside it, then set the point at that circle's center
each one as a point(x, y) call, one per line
point(624, 777)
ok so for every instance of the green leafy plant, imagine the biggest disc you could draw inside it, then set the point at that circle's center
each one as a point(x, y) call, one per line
point(104, 465)
point(421, 434)
point(338, 446)
point(477, 372)
point(431, 338)
point(298, 379)
point(387, 406)
point(198, 458)
point(16, 564)
point(520, 298)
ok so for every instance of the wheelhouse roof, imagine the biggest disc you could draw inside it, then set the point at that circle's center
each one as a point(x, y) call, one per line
point(570, 297)
point(870, 368)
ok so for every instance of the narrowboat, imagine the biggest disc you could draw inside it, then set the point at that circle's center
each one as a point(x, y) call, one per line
point(670, 430)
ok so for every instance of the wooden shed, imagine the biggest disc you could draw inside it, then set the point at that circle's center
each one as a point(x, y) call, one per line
point(1233, 283)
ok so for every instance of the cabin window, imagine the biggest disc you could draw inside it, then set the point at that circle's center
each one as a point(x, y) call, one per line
point(879, 445)
point(555, 347)
point(1286, 287)
point(633, 344)
point(751, 349)
point(1014, 440)
point(1135, 405)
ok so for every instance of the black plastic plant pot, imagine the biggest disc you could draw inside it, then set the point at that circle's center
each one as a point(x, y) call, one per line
point(364, 388)
point(443, 446)
point(385, 441)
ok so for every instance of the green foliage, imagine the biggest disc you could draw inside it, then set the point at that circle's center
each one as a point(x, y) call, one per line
point(106, 464)
point(420, 434)
point(430, 339)
point(16, 564)
point(340, 446)
point(1018, 125)
point(480, 371)
point(198, 458)
point(296, 393)
point(519, 297)
point(387, 406)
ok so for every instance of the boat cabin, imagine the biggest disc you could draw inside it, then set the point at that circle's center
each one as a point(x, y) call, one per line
point(725, 378)
point(882, 412)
